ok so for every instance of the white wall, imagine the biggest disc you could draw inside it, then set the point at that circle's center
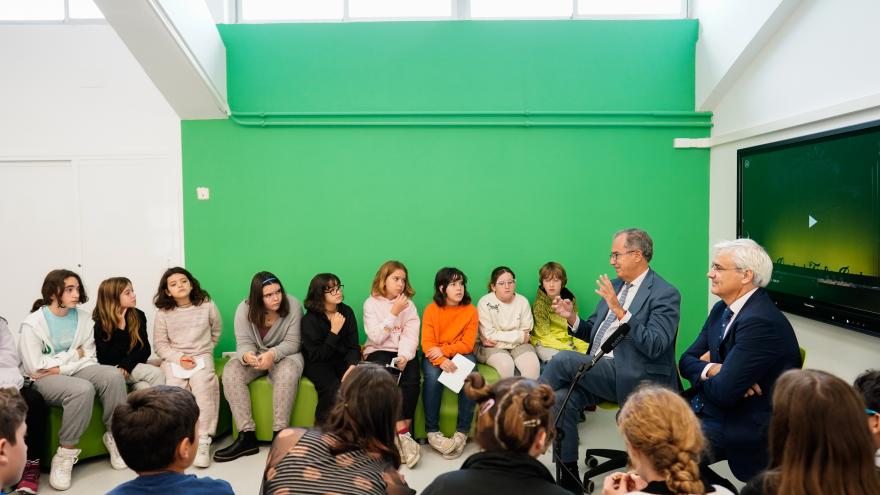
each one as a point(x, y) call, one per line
point(818, 72)
point(727, 30)
point(90, 164)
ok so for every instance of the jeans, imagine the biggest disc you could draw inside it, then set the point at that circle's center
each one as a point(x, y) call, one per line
point(432, 393)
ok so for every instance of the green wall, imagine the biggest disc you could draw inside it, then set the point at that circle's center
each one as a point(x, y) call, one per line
point(471, 144)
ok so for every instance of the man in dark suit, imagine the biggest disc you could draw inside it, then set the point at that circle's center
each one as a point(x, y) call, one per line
point(745, 344)
point(650, 305)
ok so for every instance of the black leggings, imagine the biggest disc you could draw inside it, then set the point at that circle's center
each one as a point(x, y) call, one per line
point(326, 376)
point(409, 380)
point(37, 424)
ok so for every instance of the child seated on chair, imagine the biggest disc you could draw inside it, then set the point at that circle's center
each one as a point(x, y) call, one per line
point(155, 430)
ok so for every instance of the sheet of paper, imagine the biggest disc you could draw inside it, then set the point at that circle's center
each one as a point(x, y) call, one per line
point(454, 381)
point(178, 370)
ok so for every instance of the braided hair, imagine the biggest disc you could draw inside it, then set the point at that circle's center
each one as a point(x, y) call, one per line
point(511, 413)
point(661, 426)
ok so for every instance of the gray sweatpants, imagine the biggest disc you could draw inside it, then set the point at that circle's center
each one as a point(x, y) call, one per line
point(284, 376)
point(145, 376)
point(76, 394)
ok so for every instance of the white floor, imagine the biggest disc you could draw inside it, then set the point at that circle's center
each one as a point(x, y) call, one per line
point(95, 476)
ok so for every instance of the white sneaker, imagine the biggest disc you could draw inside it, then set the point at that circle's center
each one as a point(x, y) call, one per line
point(460, 440)
point(410, 450)
point(442, 444)
point(203, 454)
point(115, 459)
point(62, 465)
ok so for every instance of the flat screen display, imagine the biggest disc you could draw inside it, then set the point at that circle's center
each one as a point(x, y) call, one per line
point(814, 204)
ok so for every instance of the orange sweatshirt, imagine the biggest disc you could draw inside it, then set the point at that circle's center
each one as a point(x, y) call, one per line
point(451, 328)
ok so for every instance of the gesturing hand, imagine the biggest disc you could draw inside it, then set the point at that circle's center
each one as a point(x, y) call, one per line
point(606, 291)
point(562, 307)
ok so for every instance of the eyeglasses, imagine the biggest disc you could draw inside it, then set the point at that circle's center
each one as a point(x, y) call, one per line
point(614, 255)
point(506, 283)
point(336, 289)
point(871, 412)
point(715, 267)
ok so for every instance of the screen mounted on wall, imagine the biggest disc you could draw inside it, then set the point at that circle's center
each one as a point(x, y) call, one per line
point(814, 203)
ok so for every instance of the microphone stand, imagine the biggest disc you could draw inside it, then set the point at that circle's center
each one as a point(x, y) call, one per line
point(560, 433)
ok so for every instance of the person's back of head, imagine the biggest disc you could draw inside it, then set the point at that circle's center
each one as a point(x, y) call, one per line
point(13, 451)
point(366, 412)
point(818, 439)
point(662, 428)
point(514, 415)
point(868, 385)
point(155, 429)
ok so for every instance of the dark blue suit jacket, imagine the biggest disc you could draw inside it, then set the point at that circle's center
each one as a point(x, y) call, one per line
point(759, 346)
point(648, 351)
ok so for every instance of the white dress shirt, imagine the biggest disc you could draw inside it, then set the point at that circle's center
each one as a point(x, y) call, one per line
point(630, 296)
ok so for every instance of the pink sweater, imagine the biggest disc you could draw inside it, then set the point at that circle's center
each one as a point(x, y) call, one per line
point(386, 332)
point(186, 331)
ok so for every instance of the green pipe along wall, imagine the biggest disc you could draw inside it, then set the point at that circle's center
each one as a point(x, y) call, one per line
point(468, 144)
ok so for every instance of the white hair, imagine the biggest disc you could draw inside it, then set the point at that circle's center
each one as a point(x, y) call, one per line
point(748, 255)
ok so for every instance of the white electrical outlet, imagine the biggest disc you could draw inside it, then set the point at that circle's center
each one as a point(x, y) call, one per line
point(203, 193)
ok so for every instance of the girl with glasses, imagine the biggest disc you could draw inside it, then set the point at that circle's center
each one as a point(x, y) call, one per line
point(331, 345)
point(505, 326)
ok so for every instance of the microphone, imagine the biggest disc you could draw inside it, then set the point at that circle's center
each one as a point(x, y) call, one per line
point(613, 341)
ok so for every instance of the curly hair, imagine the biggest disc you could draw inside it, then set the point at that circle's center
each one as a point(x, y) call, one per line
point(511, 413)
point(164, 301)
point(659, 424)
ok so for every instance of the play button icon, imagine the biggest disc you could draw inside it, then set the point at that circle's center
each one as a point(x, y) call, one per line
point(811, 221)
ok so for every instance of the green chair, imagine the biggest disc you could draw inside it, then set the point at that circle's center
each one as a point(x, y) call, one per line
point(449, 407)
point(91, 442)
point(302, 414)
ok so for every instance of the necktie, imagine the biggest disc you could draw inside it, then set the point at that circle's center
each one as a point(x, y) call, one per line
point(725, 319)
point(606, 323)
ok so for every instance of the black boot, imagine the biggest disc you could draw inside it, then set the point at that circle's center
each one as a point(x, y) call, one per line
point(571, 478)
point(245, 444)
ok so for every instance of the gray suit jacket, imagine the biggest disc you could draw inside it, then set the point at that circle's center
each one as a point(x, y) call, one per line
point(648, 351)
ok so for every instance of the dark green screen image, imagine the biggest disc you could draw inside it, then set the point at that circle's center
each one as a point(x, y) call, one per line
point(814, 205)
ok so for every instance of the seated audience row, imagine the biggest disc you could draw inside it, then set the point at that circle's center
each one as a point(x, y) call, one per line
point(733, 366)
point(353, 452)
